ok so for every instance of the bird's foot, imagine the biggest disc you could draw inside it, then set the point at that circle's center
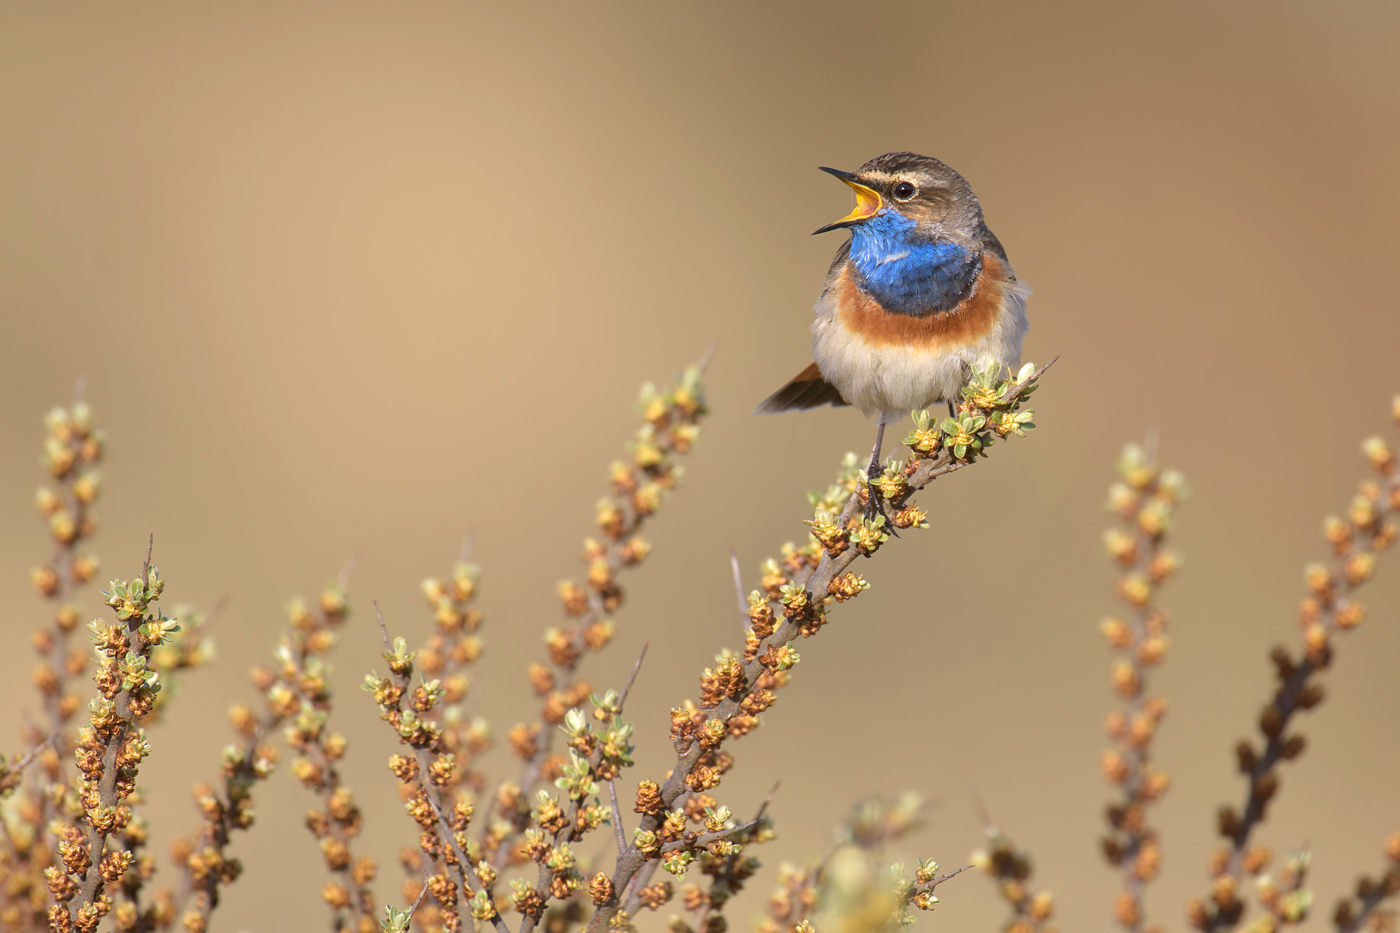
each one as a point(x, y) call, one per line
point(875, 501)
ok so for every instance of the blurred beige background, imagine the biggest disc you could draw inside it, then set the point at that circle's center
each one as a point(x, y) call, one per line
point(333, 272)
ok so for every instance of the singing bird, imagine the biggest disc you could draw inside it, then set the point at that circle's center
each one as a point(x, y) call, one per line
point(920, 293)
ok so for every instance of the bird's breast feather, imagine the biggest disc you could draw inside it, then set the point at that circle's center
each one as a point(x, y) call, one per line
point(969, 321)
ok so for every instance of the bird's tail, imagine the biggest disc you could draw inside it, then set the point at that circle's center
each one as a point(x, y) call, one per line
point(808, 389)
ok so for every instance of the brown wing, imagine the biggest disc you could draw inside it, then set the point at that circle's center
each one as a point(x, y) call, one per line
point(806, 390)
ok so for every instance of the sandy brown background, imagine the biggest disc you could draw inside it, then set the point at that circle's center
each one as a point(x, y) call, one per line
point(349, 279)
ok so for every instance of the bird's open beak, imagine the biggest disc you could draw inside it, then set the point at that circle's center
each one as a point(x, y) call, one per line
point(868, 202)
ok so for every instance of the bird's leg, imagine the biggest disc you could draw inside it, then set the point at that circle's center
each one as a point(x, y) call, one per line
point(873, 497)
point(874, 468)
point(952, 410)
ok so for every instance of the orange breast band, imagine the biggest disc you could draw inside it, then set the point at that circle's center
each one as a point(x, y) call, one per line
point(968, 323)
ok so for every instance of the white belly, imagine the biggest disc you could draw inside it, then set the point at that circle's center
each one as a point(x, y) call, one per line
point(888, 382)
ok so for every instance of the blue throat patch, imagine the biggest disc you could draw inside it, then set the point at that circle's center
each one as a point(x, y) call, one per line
point(905, 272)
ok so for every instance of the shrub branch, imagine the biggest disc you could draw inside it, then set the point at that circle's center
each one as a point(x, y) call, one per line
point(990, 407)
point(1370, 526)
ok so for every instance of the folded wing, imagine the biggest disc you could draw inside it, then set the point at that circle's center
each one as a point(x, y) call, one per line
point(806, 390)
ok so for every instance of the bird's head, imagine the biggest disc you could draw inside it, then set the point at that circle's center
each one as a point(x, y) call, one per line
point(913, 192)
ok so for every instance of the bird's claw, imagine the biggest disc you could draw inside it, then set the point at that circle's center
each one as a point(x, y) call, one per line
point(875, 500)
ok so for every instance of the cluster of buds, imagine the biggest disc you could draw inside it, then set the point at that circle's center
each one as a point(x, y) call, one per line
point(738, 689)
point(429, 717)
point(671, 425)
point(72, 450)
point(299, 697)
point(1284, 898)
point(1367, 910)
point(189, 649)
point(611, 738)
point(855, 888)
point(250, 759)
point(875, 825)
point(1144, 500)
point(666, 837)
point(546, 831)
point(600, 746)
point(793, 899)
point(1011, 869)
point(783, 609)
point(1371, 525)
point(919, 891)
point(109, 751)
point(460, 877)
point(453, 646)
point(727, 873)
point(798, 591)
point(73, 447)
point(682, 825)
point(990, 408)
point(24, 893)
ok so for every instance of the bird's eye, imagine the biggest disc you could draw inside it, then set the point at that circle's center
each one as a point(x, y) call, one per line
point(904, 191)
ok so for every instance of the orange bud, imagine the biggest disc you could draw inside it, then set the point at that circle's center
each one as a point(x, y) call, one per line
point(1115, 768)
point(1116, 632)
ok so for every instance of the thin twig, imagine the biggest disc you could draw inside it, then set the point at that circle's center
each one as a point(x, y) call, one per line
point(725, 876)
point(707, 357)
point(215, 613)
point(383, 629)
point(633, 895)
point(616, 816)
point(700, 841)
point(632, 678)
point(418, 901)
point(935, 882)
point(612, 783)
point(146, 567)
point(763, 807)
point(29, 756)
point(739, 587)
